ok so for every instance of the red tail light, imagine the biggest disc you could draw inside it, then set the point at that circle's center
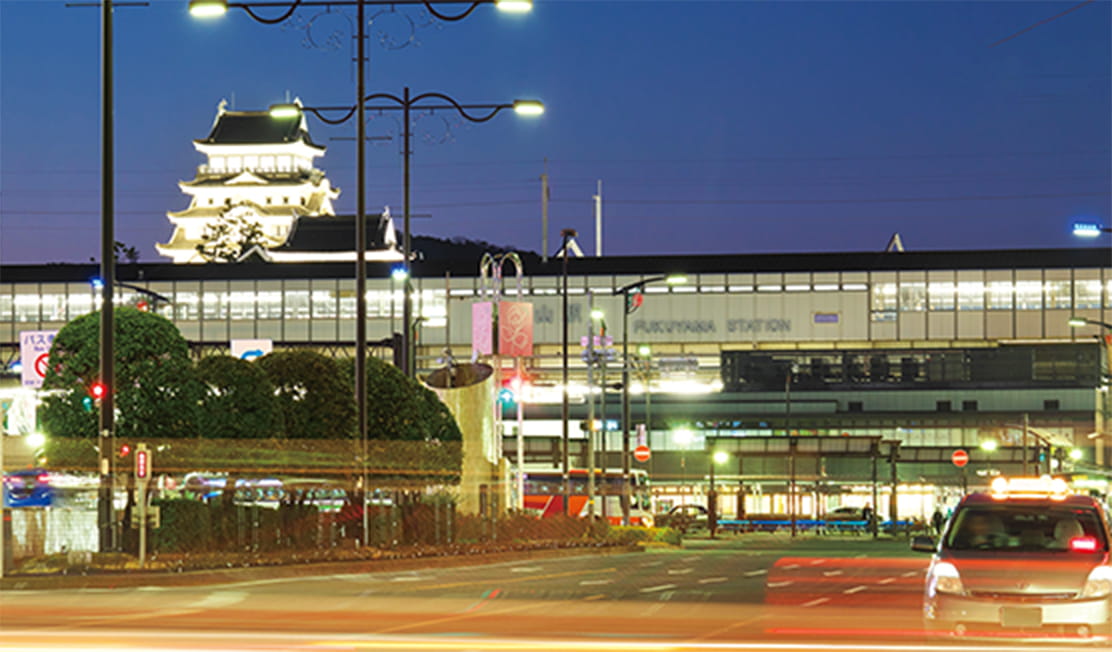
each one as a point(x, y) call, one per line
point(1083, 544)
point(42, 478)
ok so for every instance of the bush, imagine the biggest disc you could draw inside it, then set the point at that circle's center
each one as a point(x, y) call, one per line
point(628, 535)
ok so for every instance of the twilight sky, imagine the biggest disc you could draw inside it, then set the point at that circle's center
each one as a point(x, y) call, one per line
point(715, 127)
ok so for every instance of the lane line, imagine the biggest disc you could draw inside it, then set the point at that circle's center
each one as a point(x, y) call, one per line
point(661, 587)
point(597, 596)
point(525, 578)
point(595, 582)
point(791, 566)
point(832, 573)
point(407, 578)
point(525, 569)
point(754, 573)
point(713, 580)
point(887, 580)
point(814, 603)
point(910, 574)
point(776, 585)
point(680, 571)
point(816, 562)
point(857, 589)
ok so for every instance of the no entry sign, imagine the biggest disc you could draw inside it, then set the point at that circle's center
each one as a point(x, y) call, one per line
point(642, 453)
point(960, 458)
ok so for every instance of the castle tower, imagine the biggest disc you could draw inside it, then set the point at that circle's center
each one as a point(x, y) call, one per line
point(260, 174)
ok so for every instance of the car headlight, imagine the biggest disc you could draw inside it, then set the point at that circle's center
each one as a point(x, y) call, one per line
point(944, 578)
point(1099, 584)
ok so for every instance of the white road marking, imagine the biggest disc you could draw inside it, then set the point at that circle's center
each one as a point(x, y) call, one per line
point(662, 587)
point(910, 574)
point(525, 569)
point(776, 585)
point(791, 566)
point(857, 589)
point(887, 580)
point(713, 580)
point(595, 582)
point(754, 573)
point(680, 571)
point(816, 562)
point(687, 560)
point(406, 578)
point(652, 563)
point(814, 603)
point(832, 573)
point(220, 599)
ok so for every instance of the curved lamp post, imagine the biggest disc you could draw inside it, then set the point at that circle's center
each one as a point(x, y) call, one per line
point(215, 8)
point(1089, 229)
point(631, 295)
point(431, 101)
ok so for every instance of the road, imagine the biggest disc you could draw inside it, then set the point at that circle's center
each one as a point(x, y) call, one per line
point(749, 593)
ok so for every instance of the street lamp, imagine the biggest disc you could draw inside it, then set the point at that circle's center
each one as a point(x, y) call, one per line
point(214, 8)
point(990, 445)
point(1089, 229)
point(406, 103)
point(632, 296)
point(1078, 322)
point(566, 235)
point(718, 457)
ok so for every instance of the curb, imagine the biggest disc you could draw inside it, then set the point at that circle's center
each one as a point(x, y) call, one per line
point(119, 580)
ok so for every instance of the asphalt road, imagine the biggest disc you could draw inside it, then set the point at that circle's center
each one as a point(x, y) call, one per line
point(749, 593)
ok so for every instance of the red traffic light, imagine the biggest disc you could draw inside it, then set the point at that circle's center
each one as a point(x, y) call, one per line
point(125, 450)
point(142, 464)
point(97, 390)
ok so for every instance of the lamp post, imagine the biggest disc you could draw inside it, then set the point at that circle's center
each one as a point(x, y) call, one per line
point(214, 8)
point(631, 300)
point(431, 101)
point(566, 235)
point(716, 458)
point(1089, 229)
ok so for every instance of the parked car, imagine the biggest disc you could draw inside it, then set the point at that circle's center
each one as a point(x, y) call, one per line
point(846, 514)
point(686, 518)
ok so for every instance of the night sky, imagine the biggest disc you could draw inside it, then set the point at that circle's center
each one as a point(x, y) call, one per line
point(715, 127)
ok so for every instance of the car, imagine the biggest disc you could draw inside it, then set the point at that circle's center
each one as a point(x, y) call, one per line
point(1026, 559)
point(686, 518)
point(846, 514)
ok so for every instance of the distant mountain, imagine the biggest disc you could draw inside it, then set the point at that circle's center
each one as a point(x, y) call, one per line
point(430, 248)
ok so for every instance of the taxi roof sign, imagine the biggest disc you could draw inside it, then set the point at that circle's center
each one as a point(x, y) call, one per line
point(1041, 487)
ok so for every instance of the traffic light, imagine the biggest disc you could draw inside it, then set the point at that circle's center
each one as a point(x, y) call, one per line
point(87, 403)
point(125, 450)
point(97, 390)
point(506, 396)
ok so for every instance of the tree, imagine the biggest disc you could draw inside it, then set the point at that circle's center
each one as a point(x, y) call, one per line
point(313, 394)
point(239, 400)
point(156, 392)
point(400, 408)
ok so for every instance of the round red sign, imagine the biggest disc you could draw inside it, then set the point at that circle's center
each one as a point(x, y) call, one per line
point(960, 458)
point(642, 453)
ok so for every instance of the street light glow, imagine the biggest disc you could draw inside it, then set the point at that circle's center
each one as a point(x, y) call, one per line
point(399, 274)
point(1075, 454)
point(676, 279)
point(208, 8)
point(644, 350)
point(1078, 322)
point(36, 440)
point(989, 445)
point(514, 6)
point(285, 110)
point(597, 314)
point(1087, 229)
point(528, 107)
point(720, 457)
point(683, 436)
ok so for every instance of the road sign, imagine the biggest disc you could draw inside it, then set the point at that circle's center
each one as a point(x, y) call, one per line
point(642, 453)
point(960, 458)
point(34, 352)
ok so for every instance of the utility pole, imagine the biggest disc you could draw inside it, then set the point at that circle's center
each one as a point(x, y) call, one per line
point(598, 220)
point(545, 194)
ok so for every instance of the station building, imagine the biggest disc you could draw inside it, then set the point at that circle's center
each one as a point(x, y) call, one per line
point(857, 375)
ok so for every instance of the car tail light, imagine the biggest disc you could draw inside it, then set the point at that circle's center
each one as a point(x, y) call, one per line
point(1099, 583)
point(1083, 544)
point(944, 578)
point(42, 478)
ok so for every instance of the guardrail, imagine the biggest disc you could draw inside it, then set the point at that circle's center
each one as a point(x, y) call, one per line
point(808, 525)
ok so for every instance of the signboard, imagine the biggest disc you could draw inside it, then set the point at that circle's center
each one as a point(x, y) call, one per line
point(960, 458)
point(251, 349)
point(34, 353)
point(506, 331)
point(642, 453)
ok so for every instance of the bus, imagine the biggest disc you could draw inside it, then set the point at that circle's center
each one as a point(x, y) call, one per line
point(544, 494)
point(270, 492)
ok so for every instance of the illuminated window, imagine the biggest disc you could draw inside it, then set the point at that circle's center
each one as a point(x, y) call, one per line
point(297, 304)
point(1086, 293)
point(941, 295)
point(214, 305)
point(913, 296)
point(26, 307)
point(80, 303)
point(242, 305)
point(1028, 295)
point(1058, 294)
point(269, 305)
point(1000, 295)
point(971, 295)
point(884, 297)
point(186, 305)
point(324, 304)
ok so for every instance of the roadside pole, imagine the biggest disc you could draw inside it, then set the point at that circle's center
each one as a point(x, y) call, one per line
point(142, 479)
